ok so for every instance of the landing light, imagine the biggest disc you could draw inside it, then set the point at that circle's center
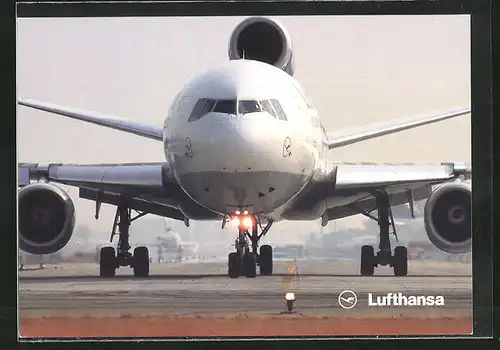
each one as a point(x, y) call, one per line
point(245, 212)
point(236, 222)
point(237, 212)
point(247, 222)
point(290, 296)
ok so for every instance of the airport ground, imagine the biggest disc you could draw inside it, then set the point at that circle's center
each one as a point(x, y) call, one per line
point(198, 299)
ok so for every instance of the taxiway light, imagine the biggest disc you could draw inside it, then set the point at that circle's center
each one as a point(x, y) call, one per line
point(290, 298)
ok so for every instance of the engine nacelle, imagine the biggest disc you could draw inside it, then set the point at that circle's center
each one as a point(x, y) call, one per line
point(46, 218)
point(262, 39)
point(448, 217)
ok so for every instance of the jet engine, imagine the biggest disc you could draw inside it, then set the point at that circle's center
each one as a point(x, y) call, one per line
point(262, 39)
point(46, 218)
point(447, 217)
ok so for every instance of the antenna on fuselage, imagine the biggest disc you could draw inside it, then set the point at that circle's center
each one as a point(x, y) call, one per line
point(243, 54)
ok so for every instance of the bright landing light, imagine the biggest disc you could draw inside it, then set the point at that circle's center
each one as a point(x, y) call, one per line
point(290, 296)
point(244, 223)
point(247, 222)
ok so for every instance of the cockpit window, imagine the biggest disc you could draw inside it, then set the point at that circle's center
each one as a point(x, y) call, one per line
point(202, 107)
point(225, 106)
point(248, 106)
point(205, 106)
point(279, 111)
point(268, 107)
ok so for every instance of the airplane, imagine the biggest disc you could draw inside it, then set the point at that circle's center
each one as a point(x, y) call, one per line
point(244, 144)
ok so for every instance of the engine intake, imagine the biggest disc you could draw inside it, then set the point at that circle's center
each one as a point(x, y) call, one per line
point(448, 217)
point(46, 218)
point(262, 39)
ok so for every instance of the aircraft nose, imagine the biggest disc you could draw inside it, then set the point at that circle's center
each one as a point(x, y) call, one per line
point(243, 144)
point(239, 163)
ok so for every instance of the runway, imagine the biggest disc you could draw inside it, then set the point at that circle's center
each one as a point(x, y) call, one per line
point(204, 289)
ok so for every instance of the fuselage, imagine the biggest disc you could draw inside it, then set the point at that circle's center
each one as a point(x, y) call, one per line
point(243, 136)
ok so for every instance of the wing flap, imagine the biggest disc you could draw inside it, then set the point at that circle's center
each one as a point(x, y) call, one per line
point(138, 204)
point(368, 203)
point(354, 135)
point(126, 125)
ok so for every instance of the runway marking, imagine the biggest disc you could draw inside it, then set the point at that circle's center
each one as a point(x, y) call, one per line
point(293, 273)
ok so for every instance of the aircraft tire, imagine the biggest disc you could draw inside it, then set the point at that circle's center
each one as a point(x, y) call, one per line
point(367, 261)
point(233, 265)
point(400, 261)
point(266, 260)
point(107, 262)
point(250, 265)
point(141, 262)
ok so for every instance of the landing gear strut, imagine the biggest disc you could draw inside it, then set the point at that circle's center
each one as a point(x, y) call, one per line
point(110, 260)
point(244, 261)
point(399, 260)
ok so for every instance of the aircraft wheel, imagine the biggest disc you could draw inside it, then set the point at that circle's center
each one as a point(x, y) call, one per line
point(233, 265)
point(367, 261)
point(141, 262)
point(107, 262)
point(266, 260)
point(400, 261)
point(250, 265)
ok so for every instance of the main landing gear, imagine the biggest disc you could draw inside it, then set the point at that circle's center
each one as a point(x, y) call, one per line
point(110, 260)
point(399, 260)
point(244, 261)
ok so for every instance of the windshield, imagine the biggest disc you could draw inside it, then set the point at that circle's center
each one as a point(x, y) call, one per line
point(248, 106)
point(225, 106)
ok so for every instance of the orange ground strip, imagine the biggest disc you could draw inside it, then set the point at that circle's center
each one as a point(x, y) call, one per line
point(196, 326)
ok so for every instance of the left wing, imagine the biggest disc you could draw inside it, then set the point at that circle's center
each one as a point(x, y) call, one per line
point(353, 135)
point(347, 189)
point(404, 183)
point(126, 125)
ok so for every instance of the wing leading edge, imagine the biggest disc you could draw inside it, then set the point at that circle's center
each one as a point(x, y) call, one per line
point(353, 135)
point(126, 125)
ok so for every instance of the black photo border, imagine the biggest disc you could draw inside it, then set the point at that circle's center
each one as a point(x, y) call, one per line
point(483, 157)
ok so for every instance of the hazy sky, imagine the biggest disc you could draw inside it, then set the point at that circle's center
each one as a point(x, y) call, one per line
point(356, 70)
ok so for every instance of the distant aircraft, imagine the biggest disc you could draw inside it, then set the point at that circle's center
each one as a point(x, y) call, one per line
point(244, 144)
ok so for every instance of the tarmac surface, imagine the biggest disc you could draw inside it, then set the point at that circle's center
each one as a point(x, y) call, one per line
point(203, 288)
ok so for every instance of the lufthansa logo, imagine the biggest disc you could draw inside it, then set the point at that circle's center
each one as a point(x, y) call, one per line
point(189, 148)
point(348, 299)
point(287, 147)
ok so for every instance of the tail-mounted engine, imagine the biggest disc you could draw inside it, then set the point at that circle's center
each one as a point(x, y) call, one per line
point(262, 39)
point(447, 217)
point(46, 218)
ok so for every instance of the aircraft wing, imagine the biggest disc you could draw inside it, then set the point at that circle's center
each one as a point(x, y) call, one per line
point(126, 125)
point(347, 188)
point(358, 134)
point(148, 187)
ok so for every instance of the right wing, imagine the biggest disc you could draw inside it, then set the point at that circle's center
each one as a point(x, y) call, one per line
point(147, 187)
point(126, 125)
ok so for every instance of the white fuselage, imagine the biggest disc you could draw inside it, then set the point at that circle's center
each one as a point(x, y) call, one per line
point(231, 149)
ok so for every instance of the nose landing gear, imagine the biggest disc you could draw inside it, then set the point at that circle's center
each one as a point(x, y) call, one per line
point(244, 261)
